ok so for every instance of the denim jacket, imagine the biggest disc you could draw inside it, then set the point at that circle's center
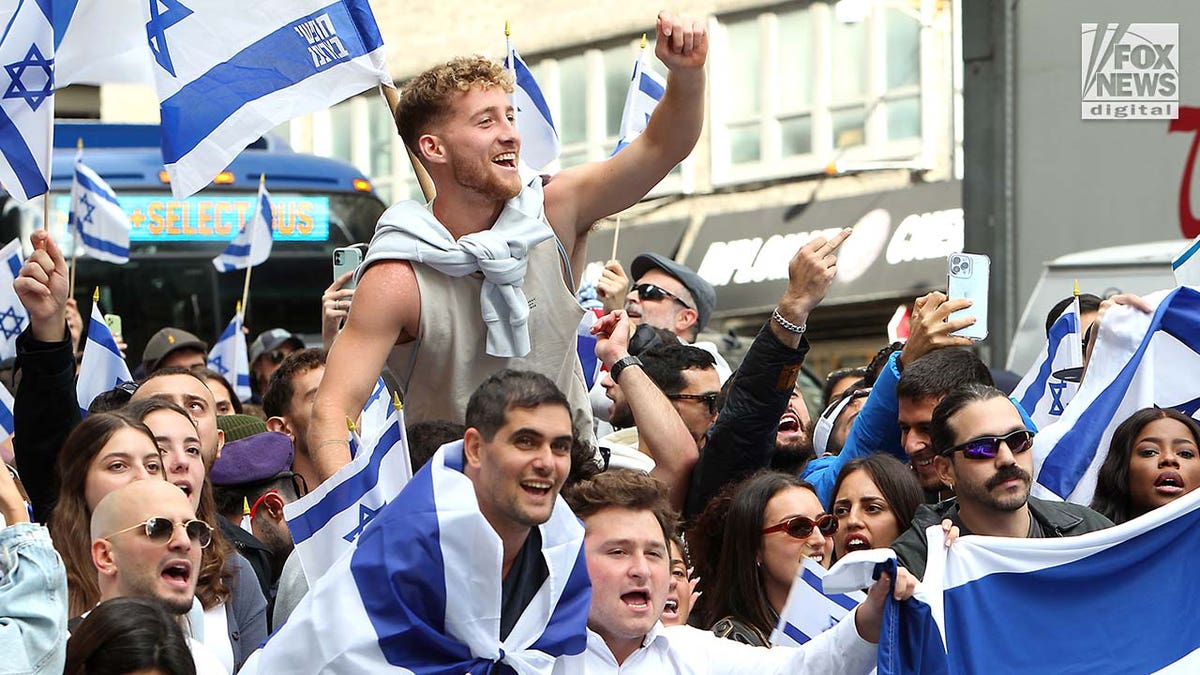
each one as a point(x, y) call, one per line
point(33, 602)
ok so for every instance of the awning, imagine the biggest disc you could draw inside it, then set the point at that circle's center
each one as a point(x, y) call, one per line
point(898, 249)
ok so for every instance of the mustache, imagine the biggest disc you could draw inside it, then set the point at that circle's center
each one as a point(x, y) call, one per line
point(1008, 473)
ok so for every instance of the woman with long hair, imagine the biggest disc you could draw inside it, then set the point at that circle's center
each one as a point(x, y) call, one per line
point(874, 500)
point(1153, 459)
point(774, 521)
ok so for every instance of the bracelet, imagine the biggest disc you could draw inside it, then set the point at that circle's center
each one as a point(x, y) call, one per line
point(787, 325)
point(621, 365)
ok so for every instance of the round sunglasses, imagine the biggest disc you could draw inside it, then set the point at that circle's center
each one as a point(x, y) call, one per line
point(160, 530)
point(801, 527)
point(987, 447)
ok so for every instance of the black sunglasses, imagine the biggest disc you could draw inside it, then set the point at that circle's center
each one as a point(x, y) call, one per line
point(160, 530)
point(800, 527)
point(710, 399)
point(652, 292)
point(987, 447)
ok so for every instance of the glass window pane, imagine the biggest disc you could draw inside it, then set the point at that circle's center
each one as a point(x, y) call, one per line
point(903, 50)
point(341, 133)
point(904, 118)
point(795, 60)
point(744, 145)
point(744, 84)
point(849, 50)
point(848, 128)
point(618, 69)
point(383, 131)
point(572, 109)
point(796, 136)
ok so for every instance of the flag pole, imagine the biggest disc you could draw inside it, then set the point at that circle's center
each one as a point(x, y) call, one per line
point(511, 60)
point(46, 197)
point(74, 242)
point(392, 98)
point(616, 238)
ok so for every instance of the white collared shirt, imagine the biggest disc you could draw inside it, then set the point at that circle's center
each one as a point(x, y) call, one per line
point(691, 651)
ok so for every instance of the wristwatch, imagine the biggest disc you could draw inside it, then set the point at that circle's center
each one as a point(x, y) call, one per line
point(621, 365)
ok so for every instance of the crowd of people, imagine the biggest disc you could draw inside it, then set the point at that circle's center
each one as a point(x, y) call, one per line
point(654, 524)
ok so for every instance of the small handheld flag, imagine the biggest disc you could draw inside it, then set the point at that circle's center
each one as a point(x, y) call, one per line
point(252, 246)
point(539, 138)
point(102, 367)
point(27, 106)
point(646, 89)
point(96, 216)
point(229, 356)
point(13, 317)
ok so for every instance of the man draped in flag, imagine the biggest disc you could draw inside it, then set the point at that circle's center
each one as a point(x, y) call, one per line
point(476, 566)
point(13, 315)
point(527, 241)
point(96, 216)
point(539, 137)
point(102, 367)
point(27, 106)
point(646, 89)
point(1146, 354)
point(228, 356)
point(274, 61)
point(252, 245)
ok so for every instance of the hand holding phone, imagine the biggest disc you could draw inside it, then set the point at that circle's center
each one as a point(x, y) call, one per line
point(346, 259)
point(968, 278)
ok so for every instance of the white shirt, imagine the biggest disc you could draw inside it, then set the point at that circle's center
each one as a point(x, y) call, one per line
point(691, 651)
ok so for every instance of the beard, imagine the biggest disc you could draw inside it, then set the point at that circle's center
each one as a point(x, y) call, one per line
point(622, 417)
point(791, 456)
point(1006, 503)
point(484, 181)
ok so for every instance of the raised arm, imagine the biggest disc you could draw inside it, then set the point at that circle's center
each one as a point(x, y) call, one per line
point(579, 196)
point(387, 310)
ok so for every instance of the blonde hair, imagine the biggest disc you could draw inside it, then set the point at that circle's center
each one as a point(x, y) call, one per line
point(427, 97)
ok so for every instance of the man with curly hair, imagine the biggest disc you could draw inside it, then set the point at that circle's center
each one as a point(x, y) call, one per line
point(483, 277)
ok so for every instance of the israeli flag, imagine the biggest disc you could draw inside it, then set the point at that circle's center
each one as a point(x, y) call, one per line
point(102, 367)
point(7, 403)
point(420, 593)
point(1186, 265)
point(96, 216)
point(1044, 396)
point(27, 105)
point(228, 71)
point(1139, 360)
point(13, 317)
point(810, 610)
point(252, 245)
point(376, 413)
point(326, 522)
point(228, 357)
point(1119, 600)
point(646, 89)
point(101, 43)
point(539, 137)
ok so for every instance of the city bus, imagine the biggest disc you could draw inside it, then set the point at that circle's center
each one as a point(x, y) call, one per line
point(318, 205)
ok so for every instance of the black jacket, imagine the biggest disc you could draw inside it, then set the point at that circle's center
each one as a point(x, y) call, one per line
point(743, 437)
point(44, 413)
point(1056, 519)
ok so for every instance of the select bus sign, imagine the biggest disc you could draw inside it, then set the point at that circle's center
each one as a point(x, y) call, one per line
point(1130, 71)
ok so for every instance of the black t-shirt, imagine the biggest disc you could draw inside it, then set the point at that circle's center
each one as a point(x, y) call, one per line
point(525, 577)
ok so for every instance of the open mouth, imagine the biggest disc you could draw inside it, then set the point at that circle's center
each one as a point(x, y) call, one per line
point(537, 488)
point(178, 574)
point(671, 610)
point(637, 600)
point(857, 542)
point(1169, 483)
point(185, 486)
point(817, 557)
point(506, 159)
point(789, 423)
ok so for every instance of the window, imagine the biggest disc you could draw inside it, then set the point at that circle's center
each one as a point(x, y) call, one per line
point(795, 89)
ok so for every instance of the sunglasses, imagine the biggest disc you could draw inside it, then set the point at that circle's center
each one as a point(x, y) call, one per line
point(800, 527)
point(160, 530)
point(652, 292)
point(987, 447)
point(709, 399)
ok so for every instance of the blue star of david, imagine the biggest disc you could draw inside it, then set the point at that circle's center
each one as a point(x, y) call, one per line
point(216, 364)
point(1188, 408)
point(11, 324)
point(1056, 391)
point(365, 515)
point(87, 216)
point(17, 87)
point(172, 13)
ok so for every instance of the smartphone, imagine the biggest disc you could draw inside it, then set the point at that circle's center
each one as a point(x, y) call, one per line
point(113, 321)
point(345, 260)
point(968, 278)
